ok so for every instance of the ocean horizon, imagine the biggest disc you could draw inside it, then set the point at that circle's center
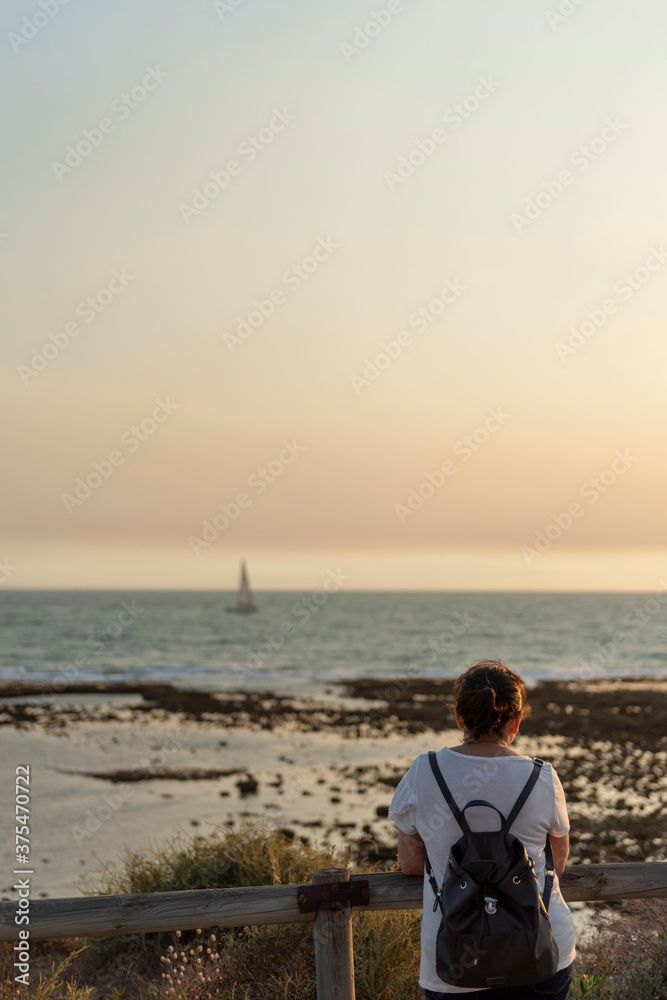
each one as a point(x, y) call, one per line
point(306, 640)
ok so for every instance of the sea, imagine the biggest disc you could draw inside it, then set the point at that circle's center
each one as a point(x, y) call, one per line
point(301, 643)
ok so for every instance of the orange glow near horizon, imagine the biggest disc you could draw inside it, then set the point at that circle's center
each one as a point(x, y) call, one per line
point(407, 322)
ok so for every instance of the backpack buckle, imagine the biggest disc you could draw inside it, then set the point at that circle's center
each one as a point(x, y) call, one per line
point(490, 904)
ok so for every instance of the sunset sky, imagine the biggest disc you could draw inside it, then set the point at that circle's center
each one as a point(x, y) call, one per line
point(415, 329)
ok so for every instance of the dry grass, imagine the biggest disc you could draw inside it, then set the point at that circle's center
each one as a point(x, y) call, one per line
point(627, 957)
point(249, 855)
point(60, 983)
point(252, 963)
point(627, 960)
point(267, 963)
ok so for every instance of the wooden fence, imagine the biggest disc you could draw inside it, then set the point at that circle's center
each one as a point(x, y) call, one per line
point(327, 902)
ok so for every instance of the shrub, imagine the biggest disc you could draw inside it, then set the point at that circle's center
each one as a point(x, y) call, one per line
point(626, 959)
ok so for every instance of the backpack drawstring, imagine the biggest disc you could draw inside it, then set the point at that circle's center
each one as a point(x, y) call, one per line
point(483, 925)
point(433, 883)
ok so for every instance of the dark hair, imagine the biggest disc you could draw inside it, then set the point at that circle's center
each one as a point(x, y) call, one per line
point(487, 696)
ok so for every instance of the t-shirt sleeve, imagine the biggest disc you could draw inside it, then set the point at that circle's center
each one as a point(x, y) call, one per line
point(560, 823)
point(403, 808)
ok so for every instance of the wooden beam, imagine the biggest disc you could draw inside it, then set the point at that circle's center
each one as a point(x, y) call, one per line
point(97, 916)
point(332, 935)
point(641, 880)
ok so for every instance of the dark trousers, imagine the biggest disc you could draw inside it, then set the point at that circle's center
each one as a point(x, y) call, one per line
point(556, 988)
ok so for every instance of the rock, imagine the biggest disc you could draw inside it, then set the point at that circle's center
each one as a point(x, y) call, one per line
point(247, 786)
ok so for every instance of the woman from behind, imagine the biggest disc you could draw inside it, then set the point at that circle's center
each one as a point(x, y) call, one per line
point(490, 701)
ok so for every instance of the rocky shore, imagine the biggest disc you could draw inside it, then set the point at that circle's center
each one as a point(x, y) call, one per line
point(619, 709)
point(345, 752)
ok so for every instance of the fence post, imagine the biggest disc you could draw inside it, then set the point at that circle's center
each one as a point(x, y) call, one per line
point(334, 962)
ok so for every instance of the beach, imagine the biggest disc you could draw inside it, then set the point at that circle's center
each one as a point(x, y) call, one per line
point(118, 765)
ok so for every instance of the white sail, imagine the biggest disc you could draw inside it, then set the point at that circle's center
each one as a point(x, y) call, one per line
point(244, 602)
point(245, 597)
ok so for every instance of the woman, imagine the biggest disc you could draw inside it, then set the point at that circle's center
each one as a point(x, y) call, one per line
point(490, 701)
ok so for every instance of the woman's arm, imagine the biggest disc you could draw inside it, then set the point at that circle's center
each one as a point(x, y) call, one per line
point(561, 848)
point(411, 853)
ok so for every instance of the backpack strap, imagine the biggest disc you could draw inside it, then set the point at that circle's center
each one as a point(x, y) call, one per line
point(538, 764)
point(432, 882)
point(459, 816)
point(549, 874)
point(518, 806)
point(449, 798)
point(548, 878)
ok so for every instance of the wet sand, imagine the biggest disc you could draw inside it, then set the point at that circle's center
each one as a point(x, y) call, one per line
point(620, 709)
point(127, 765)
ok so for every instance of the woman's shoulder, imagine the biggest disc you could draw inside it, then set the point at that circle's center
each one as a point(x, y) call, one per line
point(458, 752)
point(453, 757)
point(508, 764)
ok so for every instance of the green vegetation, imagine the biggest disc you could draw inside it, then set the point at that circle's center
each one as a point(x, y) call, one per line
point(627, 957)
point(249, 855)
point(626, 960)
point(55, 985)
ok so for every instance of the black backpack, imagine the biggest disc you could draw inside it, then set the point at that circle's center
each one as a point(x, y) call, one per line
point(494, 930)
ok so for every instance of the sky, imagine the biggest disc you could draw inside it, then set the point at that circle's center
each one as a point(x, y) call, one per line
point(378, 287)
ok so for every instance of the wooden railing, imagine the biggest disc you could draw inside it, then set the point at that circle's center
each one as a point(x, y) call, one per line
point(95, 916)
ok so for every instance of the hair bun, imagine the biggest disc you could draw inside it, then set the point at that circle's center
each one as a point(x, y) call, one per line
point(487, 696)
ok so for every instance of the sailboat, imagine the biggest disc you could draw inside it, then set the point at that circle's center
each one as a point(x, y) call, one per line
point(244, 603)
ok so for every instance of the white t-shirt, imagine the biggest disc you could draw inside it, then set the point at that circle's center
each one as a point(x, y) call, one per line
point(418, 806)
